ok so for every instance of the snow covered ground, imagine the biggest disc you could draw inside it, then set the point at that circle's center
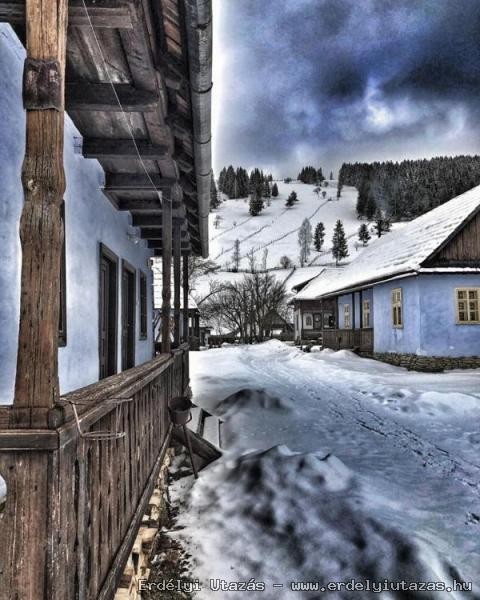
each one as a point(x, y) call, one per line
point(276, 227)
point(336, 467)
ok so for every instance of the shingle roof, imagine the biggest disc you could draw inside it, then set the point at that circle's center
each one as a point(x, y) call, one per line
point(399, 252)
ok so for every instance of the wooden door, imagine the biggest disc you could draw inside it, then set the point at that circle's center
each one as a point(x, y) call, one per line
point(107, 314)
point(128, 317)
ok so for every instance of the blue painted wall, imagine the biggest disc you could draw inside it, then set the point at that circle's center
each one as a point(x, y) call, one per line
point(429, 315)
point(440, 334)
point(89, 219)
point(387, 338)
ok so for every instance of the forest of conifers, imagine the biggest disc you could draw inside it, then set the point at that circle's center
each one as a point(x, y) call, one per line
point(410, 188)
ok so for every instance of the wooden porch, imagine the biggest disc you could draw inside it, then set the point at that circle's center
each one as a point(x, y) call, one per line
point(94, 474)
point(360, 340)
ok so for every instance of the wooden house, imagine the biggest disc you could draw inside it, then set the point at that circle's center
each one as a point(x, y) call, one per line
point(411, 298)
point(105, 163)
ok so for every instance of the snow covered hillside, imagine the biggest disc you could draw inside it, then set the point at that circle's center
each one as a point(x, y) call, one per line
point(336, 467)
point(276, 227)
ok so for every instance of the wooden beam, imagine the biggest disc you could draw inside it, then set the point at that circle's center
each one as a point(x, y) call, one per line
point(121, 182)
point(107, 14)
point(177, 243)
point(160, 245)
point(155, 233)
point(103, 148)
point(166, 273)
point(184, 162)
point(85, 96)
point(152, 204)
point(185, 336)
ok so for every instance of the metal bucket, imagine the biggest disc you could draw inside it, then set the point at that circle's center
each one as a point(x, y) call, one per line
point(179, 409)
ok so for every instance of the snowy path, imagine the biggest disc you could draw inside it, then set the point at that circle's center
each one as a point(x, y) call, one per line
point(411, 440)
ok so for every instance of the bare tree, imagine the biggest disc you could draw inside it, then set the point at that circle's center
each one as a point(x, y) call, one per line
point(236, 255)
point(245, 306)
point(304, 241)
point(252, 261)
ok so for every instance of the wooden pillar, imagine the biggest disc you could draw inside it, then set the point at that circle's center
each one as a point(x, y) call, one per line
point(43, 179)
point(176, 279)
point(185, 299)
point(166, 272)
point(29, 550)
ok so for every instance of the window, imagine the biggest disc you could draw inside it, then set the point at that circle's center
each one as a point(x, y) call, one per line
point(62, 311)
point(308, 321)
point(143, 306)
point(328, 320)
point(317, 321)
point(366, 314)
point(347, 323)
point(467, 300)
point(397, 312)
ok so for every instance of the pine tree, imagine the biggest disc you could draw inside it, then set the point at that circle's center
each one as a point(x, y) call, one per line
point(214, 199)
point(256, 204)
point(331, 175)
point(363, 234)
point(319, 236)
point(370, 207)
point(266, 190)
point(274, 190)
point(304, 241)
point(221, 180)
point(236, 255)
point(379, 223)
point(291, 200)
point(339, 243)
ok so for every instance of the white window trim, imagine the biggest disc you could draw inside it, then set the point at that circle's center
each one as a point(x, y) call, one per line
point(457, 311)
point(366, 311)
point(346, 313)
point(397, 304)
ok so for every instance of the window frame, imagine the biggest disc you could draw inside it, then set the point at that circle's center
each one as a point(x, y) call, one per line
point(308, 317)
point(366, 311)
point(143, 307)
point(469, 321)
point(347, 313)
point(396, 299)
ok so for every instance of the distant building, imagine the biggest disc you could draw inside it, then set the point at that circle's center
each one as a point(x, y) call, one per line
point(412, 298)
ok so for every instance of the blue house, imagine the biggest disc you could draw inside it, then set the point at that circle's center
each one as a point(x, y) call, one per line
point(411, 298)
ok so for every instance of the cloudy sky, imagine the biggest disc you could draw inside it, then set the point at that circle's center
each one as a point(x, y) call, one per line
point(327, 81)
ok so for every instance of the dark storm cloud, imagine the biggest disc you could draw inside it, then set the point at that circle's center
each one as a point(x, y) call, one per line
point(334, 80)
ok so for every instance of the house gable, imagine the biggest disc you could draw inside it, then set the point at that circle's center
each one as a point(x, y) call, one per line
point(461, 249)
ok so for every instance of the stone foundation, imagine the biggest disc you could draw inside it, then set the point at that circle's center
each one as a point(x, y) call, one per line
point(432, 364)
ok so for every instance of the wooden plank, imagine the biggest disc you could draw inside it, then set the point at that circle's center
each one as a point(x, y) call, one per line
point(85, 96)
point(103, 148)
point(148, 204)
point(31, 439)
point(118, 564)
point(103, 13)
point(117, 182)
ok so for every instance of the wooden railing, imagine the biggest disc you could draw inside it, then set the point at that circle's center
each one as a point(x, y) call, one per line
point(97, 484)
point(361, 339)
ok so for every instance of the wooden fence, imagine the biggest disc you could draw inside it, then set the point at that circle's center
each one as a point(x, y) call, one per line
point(95, 489)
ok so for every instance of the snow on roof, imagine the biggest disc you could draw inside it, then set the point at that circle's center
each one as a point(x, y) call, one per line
point(401, 251)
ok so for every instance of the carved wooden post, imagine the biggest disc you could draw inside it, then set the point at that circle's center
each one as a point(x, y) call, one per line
point(185, 299)
point(166, 271)
point(176, 279)
point(29, 550)
point(43, 179)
